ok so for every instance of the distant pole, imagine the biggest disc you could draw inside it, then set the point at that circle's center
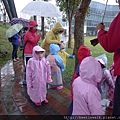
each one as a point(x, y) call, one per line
point(35, 17)
point(42, 25)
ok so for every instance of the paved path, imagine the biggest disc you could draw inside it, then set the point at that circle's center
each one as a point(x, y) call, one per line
point(16, 105)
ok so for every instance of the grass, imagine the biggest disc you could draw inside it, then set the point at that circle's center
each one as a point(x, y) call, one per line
point(6, 50)
point(96, 51)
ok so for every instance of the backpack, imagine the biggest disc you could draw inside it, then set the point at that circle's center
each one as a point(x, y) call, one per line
point(10, 39)
point(21, 42)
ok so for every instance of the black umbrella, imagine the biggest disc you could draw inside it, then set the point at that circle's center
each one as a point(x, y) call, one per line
point(22, 21)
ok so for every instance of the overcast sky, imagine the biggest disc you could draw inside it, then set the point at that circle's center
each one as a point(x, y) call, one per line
point(20, 4)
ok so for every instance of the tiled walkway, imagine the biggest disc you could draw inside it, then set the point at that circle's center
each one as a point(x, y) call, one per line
point(15, 101)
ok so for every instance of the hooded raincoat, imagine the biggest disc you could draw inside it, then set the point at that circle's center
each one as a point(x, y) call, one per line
point(52, 37)
point(56, 64)
point(37, 75)
point(86, 97)
point(30, 38)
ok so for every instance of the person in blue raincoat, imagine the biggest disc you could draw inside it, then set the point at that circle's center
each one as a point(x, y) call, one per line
point(57, 67)
point(15, 43)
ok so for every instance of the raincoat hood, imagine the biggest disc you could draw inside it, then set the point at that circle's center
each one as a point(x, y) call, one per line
point(32, 23)
point(90, 71)
point(38, 48)
point(102, 59)
point(54, 48)
point(83, 52)
point(57, 27)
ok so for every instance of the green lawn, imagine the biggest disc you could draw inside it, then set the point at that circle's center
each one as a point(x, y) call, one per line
point(6, 50)
point(96, 51)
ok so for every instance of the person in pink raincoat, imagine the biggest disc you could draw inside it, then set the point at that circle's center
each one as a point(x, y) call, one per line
point(37, 75)
point(86, 97)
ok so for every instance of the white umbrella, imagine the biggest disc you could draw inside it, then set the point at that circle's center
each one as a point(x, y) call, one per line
point(41, 8)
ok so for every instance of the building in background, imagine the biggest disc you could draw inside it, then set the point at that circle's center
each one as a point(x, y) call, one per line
point(96, 15)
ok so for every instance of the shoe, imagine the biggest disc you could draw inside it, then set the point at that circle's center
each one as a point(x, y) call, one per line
point(14, 60)
point(17, 58)
point(45, 101)
point(110, 105)
point(37, 104)
point(59, 87)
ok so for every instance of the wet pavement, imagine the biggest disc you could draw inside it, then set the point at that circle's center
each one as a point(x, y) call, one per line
point(16, 105)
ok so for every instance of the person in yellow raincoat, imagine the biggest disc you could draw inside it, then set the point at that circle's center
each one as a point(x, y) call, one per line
point(63, 54)
point(53, 36)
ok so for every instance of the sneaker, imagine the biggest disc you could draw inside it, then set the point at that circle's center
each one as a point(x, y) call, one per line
point(37, 104)
point(59, 87)
point(45, 101)
point(17, 58)
point(14, 60)
point(110, 105)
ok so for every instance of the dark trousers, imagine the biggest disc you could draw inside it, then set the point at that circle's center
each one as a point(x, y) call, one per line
point(24, 79)
point(14, 52)
point(116, 104)
point(70, 109)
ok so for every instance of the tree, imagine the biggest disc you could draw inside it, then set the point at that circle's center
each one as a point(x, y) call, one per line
point(79, 26)
point(68, 7)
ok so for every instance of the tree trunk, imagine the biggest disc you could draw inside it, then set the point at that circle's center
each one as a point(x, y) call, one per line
point(69, 38)
point(79, 27)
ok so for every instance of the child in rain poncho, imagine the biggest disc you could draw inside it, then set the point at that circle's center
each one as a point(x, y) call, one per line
point(107, 80)
point(63, 54)
point(86, 97)
point(37, 75)
point(57, 67)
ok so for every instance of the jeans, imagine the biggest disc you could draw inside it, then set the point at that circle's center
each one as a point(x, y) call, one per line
point(116, 104)
point(14, 52)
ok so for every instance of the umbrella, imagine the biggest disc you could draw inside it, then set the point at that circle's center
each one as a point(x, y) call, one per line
point(41, 8)
point(12, 30)
point(22, 21)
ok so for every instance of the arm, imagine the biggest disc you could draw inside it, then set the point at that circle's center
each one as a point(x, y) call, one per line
point(110, 40)
point(108, 79)
point(59, 62)
point(30, 38)
point(48, 71)
point(29, 72)
point(94, 104)
point(49, 38)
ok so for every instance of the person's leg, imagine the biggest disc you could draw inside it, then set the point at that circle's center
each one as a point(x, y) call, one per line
point(24, 77)
point(116, 104)
point(13, 52)
point(16, 48)
point(70, 109)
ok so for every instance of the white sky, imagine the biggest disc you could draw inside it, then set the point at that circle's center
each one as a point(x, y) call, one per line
point(20, 4)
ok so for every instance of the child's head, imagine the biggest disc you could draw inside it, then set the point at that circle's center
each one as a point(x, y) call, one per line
point(62, 46)
point(54, 48)
point(38, 52)
point(83, 52)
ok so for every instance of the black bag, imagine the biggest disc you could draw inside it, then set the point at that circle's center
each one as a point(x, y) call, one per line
point(10, 39)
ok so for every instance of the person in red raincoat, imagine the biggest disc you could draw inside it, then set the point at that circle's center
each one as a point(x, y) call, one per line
point(110, 41)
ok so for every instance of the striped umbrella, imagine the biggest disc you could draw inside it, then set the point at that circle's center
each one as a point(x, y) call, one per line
point(22, 21)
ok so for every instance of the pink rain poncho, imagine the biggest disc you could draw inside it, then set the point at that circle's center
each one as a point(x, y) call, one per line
point(86, 97)
point(37, 75)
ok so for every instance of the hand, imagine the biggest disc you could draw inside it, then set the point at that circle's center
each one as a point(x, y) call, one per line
point(100, 26)
point(40, 33)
